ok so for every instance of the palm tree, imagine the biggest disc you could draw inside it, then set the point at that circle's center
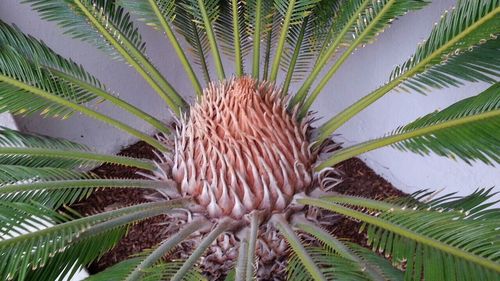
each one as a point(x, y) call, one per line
point(245, 176)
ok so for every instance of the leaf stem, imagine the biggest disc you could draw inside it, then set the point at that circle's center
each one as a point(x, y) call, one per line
point(236, 39)
point(116, 101)
point(256, 39)
point(177, 47)
point(281, 42)
point(223, 225)
point(138, 61)
point(295, 56)
point(211, 40)
point(165, 247)
point(298, 248)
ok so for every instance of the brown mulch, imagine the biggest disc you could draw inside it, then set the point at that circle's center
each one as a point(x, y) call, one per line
point(358, 179)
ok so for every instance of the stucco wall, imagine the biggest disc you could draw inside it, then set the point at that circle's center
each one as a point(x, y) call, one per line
point(364, 71)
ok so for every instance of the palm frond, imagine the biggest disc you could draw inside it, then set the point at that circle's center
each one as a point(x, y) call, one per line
point(54, 187)
point(160, 14)
point(37, 248)
point(438, 64)
point(476, 141)
point(468, 129)
point(293, 13)
point(258, 18)
point(108, 27)
point(203, 15)
point(82, 82)
point(26, 88)
point(31, 150)
point(452, 34)
point(435, 244)
point(231, 30)
point(370, 23)
point(333, 267)
point(305, 260)
point(372, 266)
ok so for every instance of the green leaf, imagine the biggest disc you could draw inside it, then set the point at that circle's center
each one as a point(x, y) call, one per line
point(369, 24)
point(108, 27)
point(17, 99)
point(293, 12)
point(26, 88)
point(53, 187)
point(30, 150)
point(159, 14)
point(452, 33)
point(305, 260)
point(70, 16)
point(441, 63)
point(67, 70)
point(332, 266)
point(19, 254)
point(475, 141)
point(446, 244)
point(187, 24)
point(468, 129)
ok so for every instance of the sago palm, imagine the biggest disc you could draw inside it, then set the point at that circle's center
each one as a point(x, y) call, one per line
point(244, 176)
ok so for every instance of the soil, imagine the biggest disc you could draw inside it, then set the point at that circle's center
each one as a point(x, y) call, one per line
point(358, 179)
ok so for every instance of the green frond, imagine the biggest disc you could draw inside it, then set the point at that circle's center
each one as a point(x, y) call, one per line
point(149, 264)
point(202, 15)
point(107, 26)
point(72, 18)
point(36, 51)
point(451, 38)
point(160, 14)
point(258, 18)
point(441, 245)
point(476, 141)
point(82, 82)
point(333, 267)
point(305, 260)
point(36, 248)
point(143, 11)
point(18, 76)
point(25, 88)
point(468, 129)
point(223, 225)
point(54, 187)
point(293, 13)
point(231, 29)
point(368, 25)
point(372, 266)
point(447, 61)
point(31, 150)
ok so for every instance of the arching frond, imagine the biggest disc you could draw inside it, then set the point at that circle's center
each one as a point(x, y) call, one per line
point(368, 25)
point(108, 27)
point(67, 70)
point(26, 88)
point(54, 187)
point(452, 34)
point(160, 14)
point(441, 245)
point(37, 247)
point(468, 129)
point(30, 150)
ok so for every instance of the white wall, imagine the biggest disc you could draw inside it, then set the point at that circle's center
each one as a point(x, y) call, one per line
point(364, 71)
